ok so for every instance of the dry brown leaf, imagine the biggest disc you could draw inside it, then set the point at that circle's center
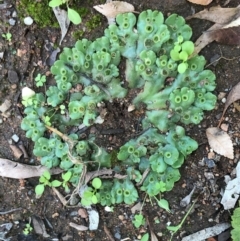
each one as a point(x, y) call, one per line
point(233, 96)
point(212, 14)
point(112, 9)
point(236, 106)
point(225, 30)
point(220, 142)
point(201, 2)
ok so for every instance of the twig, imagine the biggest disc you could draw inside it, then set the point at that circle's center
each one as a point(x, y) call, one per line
point(222, 57)
point(106, 230)
point(10, 211)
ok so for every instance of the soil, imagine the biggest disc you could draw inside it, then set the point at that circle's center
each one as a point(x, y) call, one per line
point(26, 55)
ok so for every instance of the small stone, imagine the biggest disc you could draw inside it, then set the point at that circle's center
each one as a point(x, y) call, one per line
point(55, 215)
point(5, 106)
point(12, 21)
point(13, 86)
point(221, 95)
point(1, 121)
point(224, 100)
point(13, 76)
point(15, 138)
point(117, 235)
point(14, 14)
point(28, 21)
point(224, 127)
point(121, 217)
point(131, 108)
point(211, 155)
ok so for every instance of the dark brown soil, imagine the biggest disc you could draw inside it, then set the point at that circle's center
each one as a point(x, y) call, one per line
point(26, 55)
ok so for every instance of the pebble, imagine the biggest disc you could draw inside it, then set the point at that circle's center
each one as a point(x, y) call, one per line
point(13, 86)
point(14, 14)
point(221, 95)
point(15, 138)
point(224, 127)
point(209, 162)
point(12, 21)
point(28, 21)
point(5, 106)
point(224, 100)
point(13, 76)
point(1, 121)
point(117, 235)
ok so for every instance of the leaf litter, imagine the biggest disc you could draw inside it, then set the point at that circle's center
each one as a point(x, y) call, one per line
point(226, 29)
point(219, 140)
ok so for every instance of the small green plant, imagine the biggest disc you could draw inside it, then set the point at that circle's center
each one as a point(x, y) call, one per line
point(66, 177)
point(89, 196)
point(7, 36)
point(44, 181)
point(138, 220)
point(40, 80)
point(145, 237)
point(235, 232)
point(174, 229)
point(28, 229)
point(73, 16)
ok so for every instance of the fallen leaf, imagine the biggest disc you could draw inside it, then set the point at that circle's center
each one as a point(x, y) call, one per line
point(233, 96)
point(207, 232)
point(201, 2)
point(220, 142)
point(112, 9)
point(39, 226)
point(225, 30)
point(78, 227)
point(63, 20)
point(153, 236)
point(236, 106)
point(212, 14)
point(232, 191)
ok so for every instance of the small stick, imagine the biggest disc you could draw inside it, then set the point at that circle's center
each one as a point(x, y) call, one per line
point(106, 230)
point(10, 211)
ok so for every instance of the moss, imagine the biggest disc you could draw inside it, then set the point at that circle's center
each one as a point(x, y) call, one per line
point(78, 34)
point(39, 11)
point(94, 22)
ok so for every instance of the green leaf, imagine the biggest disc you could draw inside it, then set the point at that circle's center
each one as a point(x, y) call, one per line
point(66, 176)
point(182, 68)
point(163, 203)
point(56, 183)
point(74, 17)
point(39, 189)
point(94, 199)
point(55, 3)
point(145, 237)
point(47, 175)
point(97, 183)
point(174, 228)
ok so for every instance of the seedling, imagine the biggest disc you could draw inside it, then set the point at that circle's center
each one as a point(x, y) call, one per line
point(66, 177)
point(145, 237)
point(45, 181)
point(40, 80)
point(7, 36)
point(89, 196)
point(174, 229)
point(138, 220)
point(28, 229)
